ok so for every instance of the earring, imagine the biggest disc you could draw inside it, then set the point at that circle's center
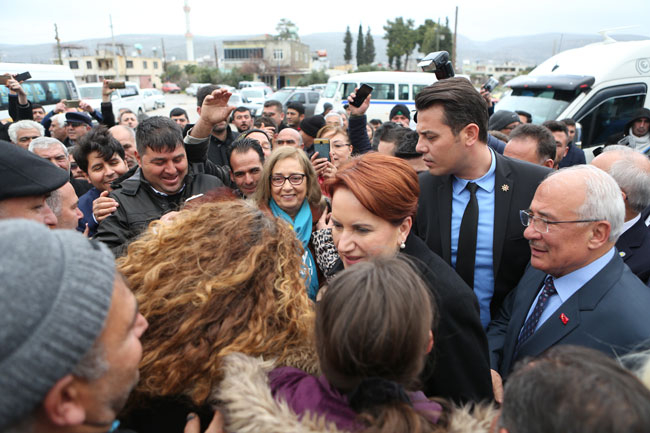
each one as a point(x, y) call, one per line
point(402, 245)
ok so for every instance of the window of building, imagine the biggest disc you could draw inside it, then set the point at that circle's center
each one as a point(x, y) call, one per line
point(129, 63)
point(144, 64)
point(73, 64)
point(155, 65)
point(278, 54)
point(89, 64)
point(243, 53)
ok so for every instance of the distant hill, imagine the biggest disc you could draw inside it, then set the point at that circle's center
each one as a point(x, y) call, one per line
point(531, 49)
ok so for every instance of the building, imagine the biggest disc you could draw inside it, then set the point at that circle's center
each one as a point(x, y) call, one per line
point(278, 63)
point(500, 71)
point(145, 71)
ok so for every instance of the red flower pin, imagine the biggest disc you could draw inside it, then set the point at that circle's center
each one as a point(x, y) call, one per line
point(564, 318)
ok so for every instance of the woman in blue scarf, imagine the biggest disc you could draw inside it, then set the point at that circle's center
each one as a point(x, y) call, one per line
point(289, 189)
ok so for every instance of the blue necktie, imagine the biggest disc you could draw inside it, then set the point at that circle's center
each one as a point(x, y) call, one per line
point(531, 323)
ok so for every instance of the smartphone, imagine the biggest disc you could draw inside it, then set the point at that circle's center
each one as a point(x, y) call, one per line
point(490, 84)
point(117, 85)
point(322, 146)
point(23, 77)
point(72, 103)
point(362, 94)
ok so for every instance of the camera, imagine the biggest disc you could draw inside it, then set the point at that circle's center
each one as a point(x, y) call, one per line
point(438, 62)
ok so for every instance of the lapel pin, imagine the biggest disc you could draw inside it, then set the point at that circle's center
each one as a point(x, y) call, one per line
point(505, 188)
point(564, 318)
point(622, 253)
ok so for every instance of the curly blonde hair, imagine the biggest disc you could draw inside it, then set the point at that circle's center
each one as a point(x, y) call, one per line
point(222, 277)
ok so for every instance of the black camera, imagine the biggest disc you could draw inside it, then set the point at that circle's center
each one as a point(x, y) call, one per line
point(438, 63)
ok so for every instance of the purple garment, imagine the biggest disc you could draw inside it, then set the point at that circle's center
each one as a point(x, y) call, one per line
point(304, 392)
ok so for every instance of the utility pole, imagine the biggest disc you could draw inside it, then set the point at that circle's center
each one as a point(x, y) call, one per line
point(454, 47)
point(117, 69)
point(216, 56)
point(164, 59)
point(58, 44)
point(438, 36)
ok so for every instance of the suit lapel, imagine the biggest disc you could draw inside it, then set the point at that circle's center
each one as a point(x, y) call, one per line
point(444, 215)
point(503, 191)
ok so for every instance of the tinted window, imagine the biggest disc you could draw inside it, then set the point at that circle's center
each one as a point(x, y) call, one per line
point(403, 94)
point(417, 88)
point(349, 88)
point(314, 97)
point(42, 92)
point(298, 97)
point(382, 91)
point(609, 118)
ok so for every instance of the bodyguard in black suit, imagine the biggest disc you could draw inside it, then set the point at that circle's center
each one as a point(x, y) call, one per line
point(452, 124)
point(631, 171)
point(577, 289)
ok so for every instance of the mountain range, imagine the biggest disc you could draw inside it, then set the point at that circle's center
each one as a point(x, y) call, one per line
point(529, 50)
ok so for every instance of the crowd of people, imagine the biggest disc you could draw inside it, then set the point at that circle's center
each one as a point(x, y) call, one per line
point(451, 269)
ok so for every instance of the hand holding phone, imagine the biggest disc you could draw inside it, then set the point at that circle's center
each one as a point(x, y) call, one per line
point(361, 94)
point(322, 146)
point(23, 77)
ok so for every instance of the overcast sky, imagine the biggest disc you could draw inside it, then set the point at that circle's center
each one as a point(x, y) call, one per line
point(32, 21)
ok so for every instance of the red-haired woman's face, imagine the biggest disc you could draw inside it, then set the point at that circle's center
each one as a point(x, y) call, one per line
point(360, 235)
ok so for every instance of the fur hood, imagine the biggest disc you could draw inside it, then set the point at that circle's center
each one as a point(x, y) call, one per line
point(248, 406)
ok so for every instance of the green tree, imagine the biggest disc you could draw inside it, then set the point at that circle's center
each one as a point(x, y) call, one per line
point(287, 30)
point(361, 53)
point(172, 73)
point(402, 38)
point(315, 77)
point(347, 54)
point(434, 37)
point(370, 48)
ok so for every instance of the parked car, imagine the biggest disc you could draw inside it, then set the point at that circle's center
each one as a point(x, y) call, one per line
point(237, 101)
point(130, 97)
point(153, 99)
point(307, 96)
point(253, 94)
point(170, 87)
point(194, 87)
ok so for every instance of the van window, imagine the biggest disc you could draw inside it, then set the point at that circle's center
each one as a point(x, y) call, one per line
point(330, 90)
point(609, 118)
point(42, 92)
point(403, 94)
point(383, 91)
point(417, 88)
point(314, 97)
point(349, 88)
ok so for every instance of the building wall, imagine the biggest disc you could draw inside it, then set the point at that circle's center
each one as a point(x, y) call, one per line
point(145, 71)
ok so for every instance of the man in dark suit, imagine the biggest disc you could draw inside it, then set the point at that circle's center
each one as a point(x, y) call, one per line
point(577, 290)
point(489, 252)
point(631, 171)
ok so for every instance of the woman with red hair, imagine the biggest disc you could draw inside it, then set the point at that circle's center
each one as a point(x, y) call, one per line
point(374, 200)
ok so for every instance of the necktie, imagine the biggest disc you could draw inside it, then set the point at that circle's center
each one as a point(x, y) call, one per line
point(531, 323)
point(466, 256)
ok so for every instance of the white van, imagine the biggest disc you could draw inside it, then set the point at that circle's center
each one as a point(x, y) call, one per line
point(48, 85)
point(390, 88)
point(598, 85)
point(130, 97)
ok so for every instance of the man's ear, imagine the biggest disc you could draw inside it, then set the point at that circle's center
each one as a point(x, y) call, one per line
point(138, 158)
point(549, 163)
point(430, 343)
point(470, 134)
point(198, 110)
point(599, 234)
point(63, 403)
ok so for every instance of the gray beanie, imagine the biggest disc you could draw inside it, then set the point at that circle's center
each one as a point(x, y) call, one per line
point(55, 293)
point(501, 119)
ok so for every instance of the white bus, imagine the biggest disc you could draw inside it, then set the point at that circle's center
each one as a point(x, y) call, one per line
point(390, 88)
point(48, 85)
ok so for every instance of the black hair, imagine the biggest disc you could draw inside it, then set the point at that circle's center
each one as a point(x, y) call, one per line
point(263, 120)
point(526, 114)
point(274, 103)
point(243, 145)
point(375, 122)
point(462, 104)
point(203, 92)
point(36, 105)
point(178, 111)
point(99, 140)
point(158, 133)
point(568, 121)
point(383, 133)
point(546, 147)
point(298, 106)
point(556, 126)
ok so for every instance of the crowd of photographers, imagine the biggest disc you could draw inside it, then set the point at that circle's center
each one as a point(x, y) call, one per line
point(450, 269)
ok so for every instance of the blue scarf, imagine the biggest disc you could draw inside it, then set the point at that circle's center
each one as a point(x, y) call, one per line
point(302, 225)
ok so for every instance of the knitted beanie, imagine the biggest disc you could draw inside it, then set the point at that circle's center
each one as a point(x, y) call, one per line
point(400, 109)
point(311, 125)
point(55, 293)
point(501, 119)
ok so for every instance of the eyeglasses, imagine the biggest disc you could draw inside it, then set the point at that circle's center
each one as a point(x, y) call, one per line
point(294, 179)
point(541, 224)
